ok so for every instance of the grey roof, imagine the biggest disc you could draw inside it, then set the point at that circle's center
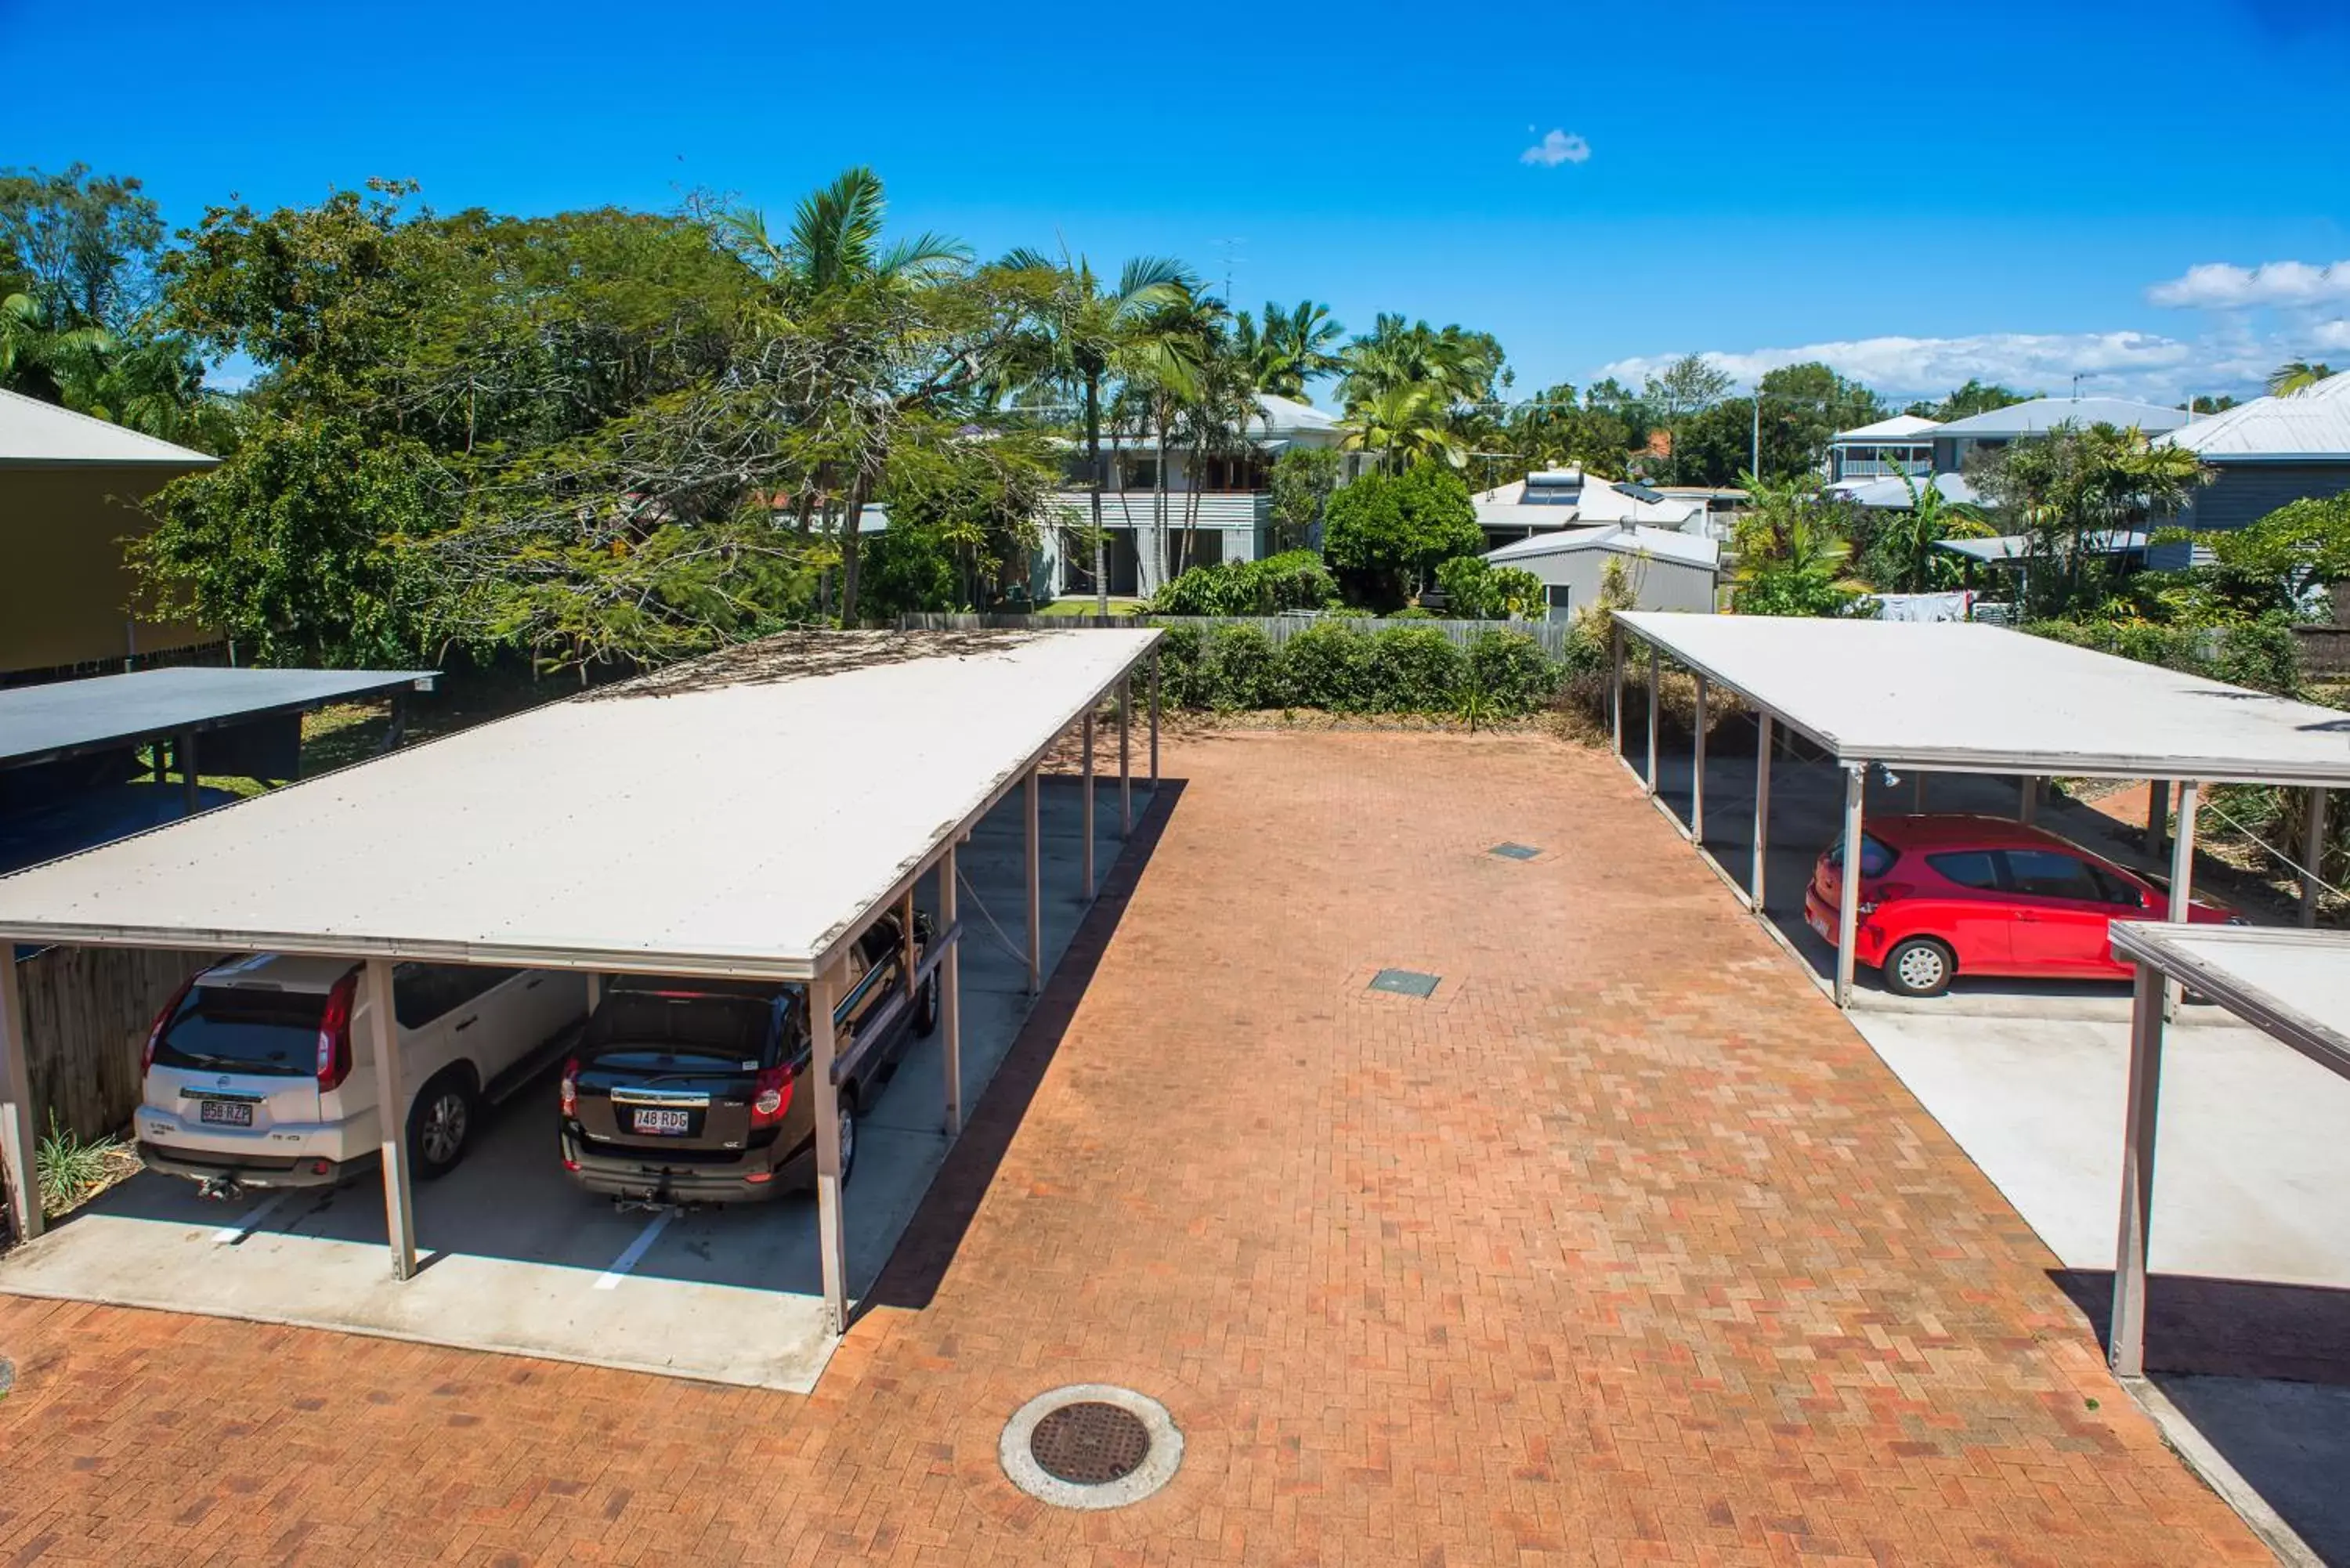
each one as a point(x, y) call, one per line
point(2041, 415)
point(2310, 425)
point(1664, 543)
point(35, 434)
point(1892, 495)
point(62, 717)
point(2293, 984)
point(1900, 427)
point(2016, 546)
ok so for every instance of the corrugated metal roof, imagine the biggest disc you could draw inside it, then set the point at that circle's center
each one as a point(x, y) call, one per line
point(1598, 501)
point(2016, 546)
point(1892, 495)
point(1899, 425)
point(2312, 423)
point(35, 434)
point(1662, 542)
point(1288, 416)
point(1981, 699)
point(2041, 415)
point(741, 813)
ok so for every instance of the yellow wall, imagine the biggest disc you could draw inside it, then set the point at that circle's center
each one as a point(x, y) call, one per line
point(64, 587)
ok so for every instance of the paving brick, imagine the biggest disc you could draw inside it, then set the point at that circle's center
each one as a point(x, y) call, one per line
point(1621, 1248)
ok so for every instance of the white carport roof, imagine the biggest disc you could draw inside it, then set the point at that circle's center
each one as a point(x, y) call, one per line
point(742, 814)
point(2295, 985)
point(1959, 696)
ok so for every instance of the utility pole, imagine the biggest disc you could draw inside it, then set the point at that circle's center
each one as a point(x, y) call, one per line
point(1755, 452)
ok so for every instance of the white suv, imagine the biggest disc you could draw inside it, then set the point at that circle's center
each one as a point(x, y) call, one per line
point(260, 1074)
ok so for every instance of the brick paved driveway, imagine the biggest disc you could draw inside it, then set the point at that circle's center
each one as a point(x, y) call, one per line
point(1621, 1248)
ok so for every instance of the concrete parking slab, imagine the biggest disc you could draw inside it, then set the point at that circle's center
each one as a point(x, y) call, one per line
point(518, 1260)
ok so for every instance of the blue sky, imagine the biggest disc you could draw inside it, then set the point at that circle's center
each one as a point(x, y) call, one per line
point(2016, 190)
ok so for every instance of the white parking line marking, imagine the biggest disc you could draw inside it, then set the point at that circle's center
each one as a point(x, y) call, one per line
point(228, 1235)
point(609, 1279)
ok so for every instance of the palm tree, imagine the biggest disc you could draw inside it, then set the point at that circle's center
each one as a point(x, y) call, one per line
point(1406, 418)
point(1086, 335)
point(1293, 347)
point(835, 250)
point(1931, 518)
point(2296, 376)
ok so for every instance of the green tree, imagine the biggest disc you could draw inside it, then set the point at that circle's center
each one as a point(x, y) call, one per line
point(1387, 533)
point(1476, 590)
point(1902, 558)
point(2300, 548)
point(1302, 481)
point(1292, 349)
point(2296, 376)
point(1975, 397)
point(2068, 490)
point(1791, 551)
point(82, 245)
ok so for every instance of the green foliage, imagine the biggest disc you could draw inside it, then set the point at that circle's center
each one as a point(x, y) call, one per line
point(1243, 670)
point(2259, 653)
point(977, 501)
point(1329, 667)
point(909, 569)
point(1413, 669)
point(1294, 580)
point(71, 1167)
point(2065, 489)
point(290, 547)
point(1790, 550)
point(2303, 546)
point(1975, 397)
point(1512, 673)
point(1389, 532)
point(1476, 590)
point(1302, 483)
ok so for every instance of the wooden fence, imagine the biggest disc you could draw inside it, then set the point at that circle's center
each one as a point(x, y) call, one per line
point(89, 1010)
point(2324, 650)
point(1549, 635)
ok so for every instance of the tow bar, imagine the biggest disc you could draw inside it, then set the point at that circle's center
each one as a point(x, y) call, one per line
point(221, 1188)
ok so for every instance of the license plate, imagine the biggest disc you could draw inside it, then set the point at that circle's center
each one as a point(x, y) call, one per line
point(660, 1121)
point(225, 1112)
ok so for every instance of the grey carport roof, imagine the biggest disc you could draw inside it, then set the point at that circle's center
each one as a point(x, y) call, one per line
point(2293, 984)
point(1964, 697)
point(61, 717)
point(741, 815)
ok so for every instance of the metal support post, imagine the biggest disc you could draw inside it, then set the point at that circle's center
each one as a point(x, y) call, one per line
point(2126, 1344)
point(1154, 721)
point(1856, 790)
point(1655, 659)
point(595, 992)
point(1035, 892)
point(185, 752)
point(950, 991)
point(1761, 879)
point(19, 1145)
point(1085, 811)
point(908, 958)
point(1697, 776)
point(391, 1106)
point(1125, 755)
point(2312, 860)
point(2027, 803)
point(832, 1235)
point(1615, 687)
point(2182, 878)
point(2157, 815)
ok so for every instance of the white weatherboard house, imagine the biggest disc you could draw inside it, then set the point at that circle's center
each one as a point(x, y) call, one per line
point(2263, 455)
point(1955, 442)
point(1885, 450)
point(1217, 507)
point(1554, 499)
point(1665, 569)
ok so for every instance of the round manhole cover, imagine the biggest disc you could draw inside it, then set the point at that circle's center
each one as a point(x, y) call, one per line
point(1089, 1443)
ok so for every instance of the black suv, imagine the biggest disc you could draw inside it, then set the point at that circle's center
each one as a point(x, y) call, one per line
point(695, 1091)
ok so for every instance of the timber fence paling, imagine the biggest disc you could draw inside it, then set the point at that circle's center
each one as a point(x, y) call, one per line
point(1550, 636)
point(88, 1012)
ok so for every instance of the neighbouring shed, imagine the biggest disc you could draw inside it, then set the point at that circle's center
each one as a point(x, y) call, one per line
point(1666, 570)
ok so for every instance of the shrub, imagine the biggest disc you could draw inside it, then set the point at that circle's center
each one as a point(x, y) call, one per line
point(1182, 674)
point(1243, 669)
point(1510, 674)
point(1388, 533)
point(1476, 590)
point(1413, 669)
point(1329, 667)
point(2259, 653)
point(1296, 579)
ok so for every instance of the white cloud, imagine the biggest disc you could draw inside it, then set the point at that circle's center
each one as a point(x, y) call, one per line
point(2330, 334)
point(2222, 286)
point(1558, 148)
point(2119, 364)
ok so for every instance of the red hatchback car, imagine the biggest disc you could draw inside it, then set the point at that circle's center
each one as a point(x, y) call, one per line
point(1944, 896)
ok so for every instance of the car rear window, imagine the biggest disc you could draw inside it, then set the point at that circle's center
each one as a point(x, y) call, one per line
point(1876, 856)
point(1967, 867)
point(244, 1029)
point(669, 1024)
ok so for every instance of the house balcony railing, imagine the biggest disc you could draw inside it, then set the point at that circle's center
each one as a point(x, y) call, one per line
point(1250, 509)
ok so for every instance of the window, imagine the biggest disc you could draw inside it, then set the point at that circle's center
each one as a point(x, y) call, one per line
point(1967, 867)
point(1140, 473)
point(2115, 889)
point(1876, 856)
point(2046, 874)
point(421, 992)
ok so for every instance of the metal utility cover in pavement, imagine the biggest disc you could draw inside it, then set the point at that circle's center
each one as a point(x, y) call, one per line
point(1090, 1443)
point(1514, 851)
point(1405, 982)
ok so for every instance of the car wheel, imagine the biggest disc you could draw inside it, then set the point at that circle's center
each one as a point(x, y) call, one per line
point(1918, 967)
point(926, 1009)
point(439, 1125)
point(848, 1135)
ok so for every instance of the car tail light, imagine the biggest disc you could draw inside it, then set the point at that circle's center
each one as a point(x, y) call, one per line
point(770, 1096)
point(570, 1090)
point(756, 1176)
point(335, 1033)
point(164, 1022)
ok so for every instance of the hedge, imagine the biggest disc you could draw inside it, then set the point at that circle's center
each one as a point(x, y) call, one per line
point(1292, 580)
point(1333, 667)
point(2259, 654)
